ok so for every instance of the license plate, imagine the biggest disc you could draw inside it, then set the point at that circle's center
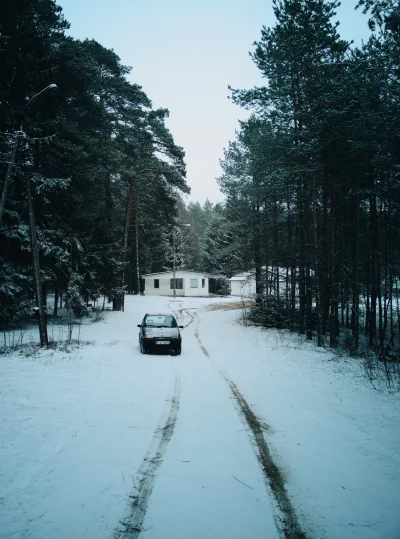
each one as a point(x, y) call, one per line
point(162, 342)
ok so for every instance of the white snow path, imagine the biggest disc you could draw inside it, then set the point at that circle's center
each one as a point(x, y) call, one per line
point(336, 437)
point(197, 493)
point(76, 427)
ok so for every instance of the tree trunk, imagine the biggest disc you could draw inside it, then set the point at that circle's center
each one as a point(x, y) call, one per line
point(55, 311)
point(257, 253)
point(316, 260)
point(355, 317)
point(324, 264)
point(109, 201)
point(126, 236)
point(302, 276)
point(374, 271)
point(136, 218)
point(307, 257)
point(334, 292)
point(277, 263)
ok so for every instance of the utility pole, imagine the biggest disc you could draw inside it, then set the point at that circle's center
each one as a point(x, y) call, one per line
point(40, 309)
point(35, 254)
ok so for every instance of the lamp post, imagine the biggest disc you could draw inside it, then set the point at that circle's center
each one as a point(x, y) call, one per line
point(49, 87)
point(174, 257)
point(40, 309)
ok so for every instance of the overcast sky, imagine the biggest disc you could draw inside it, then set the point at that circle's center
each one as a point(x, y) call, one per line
point(185, 53)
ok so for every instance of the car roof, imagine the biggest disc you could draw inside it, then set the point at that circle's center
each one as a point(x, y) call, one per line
point(160, 314)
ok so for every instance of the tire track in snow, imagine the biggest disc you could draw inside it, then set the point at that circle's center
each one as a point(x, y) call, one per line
point(186, 311)
point(132, 524)
point(287, 521)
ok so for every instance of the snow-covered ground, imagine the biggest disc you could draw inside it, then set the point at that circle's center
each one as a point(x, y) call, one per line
point(99, 438)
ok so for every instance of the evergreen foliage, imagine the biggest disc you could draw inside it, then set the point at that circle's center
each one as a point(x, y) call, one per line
point(312, 180)
point(85, 147)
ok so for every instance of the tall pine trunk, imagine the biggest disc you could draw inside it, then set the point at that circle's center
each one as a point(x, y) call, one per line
point(317, 269)
point(126, 236)
point(55, 310)
point(355, 315)
point(136, 228)
point(374, 271)
point(257, 253)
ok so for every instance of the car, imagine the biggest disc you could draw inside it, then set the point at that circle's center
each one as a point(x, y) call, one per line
point(160, 331)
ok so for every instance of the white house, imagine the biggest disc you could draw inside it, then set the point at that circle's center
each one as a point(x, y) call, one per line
point(188, 283)
point(243, 284)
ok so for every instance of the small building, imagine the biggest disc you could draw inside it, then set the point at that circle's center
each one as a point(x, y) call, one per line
point(243, 284)
point(188, 283)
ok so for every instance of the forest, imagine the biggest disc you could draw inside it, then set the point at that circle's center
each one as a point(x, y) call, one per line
point(93, 184)
point(312, 178)
point(86, 165)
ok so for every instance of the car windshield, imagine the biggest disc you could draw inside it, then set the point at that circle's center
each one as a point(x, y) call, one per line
point(160, 321)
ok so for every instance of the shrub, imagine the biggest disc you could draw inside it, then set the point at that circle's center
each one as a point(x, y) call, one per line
point(73, 296)
point(271, 313)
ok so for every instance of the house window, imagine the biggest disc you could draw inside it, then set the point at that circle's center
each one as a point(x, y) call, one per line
point(156, 283)
point(178, 286)
point(194, 283)
point(203, 283)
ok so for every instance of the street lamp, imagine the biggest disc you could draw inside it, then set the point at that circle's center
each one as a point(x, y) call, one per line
point(174, 258)
point(49, 87)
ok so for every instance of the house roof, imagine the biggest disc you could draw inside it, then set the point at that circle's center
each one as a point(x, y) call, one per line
point(251, 274)
point(242, 276)
point(171, 272)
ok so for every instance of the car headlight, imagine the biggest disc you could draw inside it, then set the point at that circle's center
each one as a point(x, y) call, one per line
point(148, 335)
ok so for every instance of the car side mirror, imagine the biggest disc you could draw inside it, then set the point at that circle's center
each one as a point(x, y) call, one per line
point(139, 325)
point(181, 327)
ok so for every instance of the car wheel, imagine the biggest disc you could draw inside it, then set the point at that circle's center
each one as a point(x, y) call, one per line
point(178, 351)
point(143, 348)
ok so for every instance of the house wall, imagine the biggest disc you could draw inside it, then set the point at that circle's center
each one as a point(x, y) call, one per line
point(164, 289)
point(246, 287)
point(235, 288)
point(165, 280)
point(200, 290)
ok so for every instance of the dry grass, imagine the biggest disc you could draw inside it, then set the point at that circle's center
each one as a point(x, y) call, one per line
point(229, 306)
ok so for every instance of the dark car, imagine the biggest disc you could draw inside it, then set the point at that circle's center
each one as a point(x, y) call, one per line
point(160, 331)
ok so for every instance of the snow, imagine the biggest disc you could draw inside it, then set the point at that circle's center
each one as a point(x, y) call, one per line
point(337, 438)
point(78, 423)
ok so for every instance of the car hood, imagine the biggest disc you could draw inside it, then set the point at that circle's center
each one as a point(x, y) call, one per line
point(162, 332)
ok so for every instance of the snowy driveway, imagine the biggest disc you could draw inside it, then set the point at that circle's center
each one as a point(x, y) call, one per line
point(105, 442)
